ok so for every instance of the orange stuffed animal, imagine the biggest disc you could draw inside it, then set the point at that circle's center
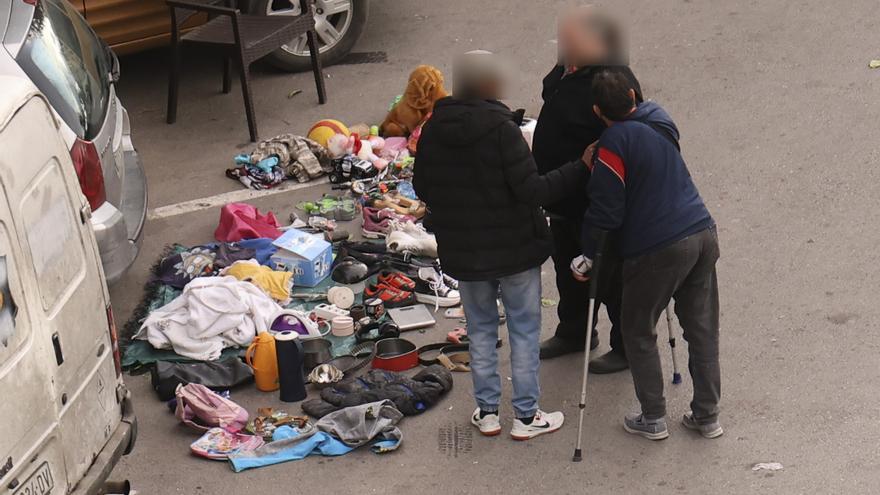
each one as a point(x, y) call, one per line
point(425, 86)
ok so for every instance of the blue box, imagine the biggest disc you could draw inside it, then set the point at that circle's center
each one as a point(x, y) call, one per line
point(308, 257)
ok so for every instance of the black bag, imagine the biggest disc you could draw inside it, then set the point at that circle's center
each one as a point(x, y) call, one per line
point(217, 375)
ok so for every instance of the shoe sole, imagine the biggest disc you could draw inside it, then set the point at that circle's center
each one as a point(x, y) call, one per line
point(489, 433)
point(443, 302)
point(710, 435)
point(523, 438)
point(650, 436)
point(369, 234)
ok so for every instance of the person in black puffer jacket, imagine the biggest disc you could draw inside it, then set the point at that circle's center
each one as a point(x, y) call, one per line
point(475, 172)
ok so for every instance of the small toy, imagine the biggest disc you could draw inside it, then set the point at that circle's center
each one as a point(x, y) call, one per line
point(351, 168)
point(323, 130)
point(424, 87)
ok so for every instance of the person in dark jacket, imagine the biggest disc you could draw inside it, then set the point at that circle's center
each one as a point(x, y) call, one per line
point(566, 126)
point(475, 172)
point(640, 188)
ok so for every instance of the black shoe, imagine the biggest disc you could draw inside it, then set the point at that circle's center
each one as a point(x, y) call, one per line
point(610, 362)
point(556, 346)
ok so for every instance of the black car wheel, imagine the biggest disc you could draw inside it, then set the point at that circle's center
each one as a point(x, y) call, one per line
point(338, 24)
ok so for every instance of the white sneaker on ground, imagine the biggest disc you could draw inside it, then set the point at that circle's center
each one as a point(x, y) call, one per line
point(489, 425)
point(412, 238)
point(542, 423)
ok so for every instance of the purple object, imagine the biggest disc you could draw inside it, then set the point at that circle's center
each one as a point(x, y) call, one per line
point(289, 323)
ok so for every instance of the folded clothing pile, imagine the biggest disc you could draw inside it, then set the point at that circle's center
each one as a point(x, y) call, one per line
point(411, 396)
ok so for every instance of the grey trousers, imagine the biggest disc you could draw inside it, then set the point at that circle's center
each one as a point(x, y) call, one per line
point(685, 272)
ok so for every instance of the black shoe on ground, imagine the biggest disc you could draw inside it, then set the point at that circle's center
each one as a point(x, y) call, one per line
point(555, 347)
point(610, 362)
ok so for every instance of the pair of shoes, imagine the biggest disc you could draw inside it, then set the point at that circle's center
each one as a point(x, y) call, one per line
point(542, 423)
point(391, 296)
point(400, 204)
point(708, 430)
point(656, 429)
point(610, 362)
point(409, 237)
point(432, 288)
point(557, 346)
point(377, 223)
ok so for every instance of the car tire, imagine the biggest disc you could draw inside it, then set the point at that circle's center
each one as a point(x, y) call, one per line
point(285, 58)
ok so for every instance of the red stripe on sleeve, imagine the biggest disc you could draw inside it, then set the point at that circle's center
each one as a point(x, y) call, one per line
point(613, 162)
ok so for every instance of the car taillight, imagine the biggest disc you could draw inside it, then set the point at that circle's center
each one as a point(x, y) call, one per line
point(114, 340)
point(88, 168)
point(30, 2)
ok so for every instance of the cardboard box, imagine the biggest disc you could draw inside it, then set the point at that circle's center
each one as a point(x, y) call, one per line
point(308, 257)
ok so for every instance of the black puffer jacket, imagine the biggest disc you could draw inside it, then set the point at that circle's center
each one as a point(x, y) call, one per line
point(476, 174)
point(566, 126)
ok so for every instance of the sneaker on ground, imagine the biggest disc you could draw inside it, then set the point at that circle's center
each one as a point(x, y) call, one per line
point(489, 425)
point(397, 280)
point(406, 237)
point(708, 430)
point(391, 297)
point(431, 288)
point(377, 222)
point(542, 423)
point(652, 429)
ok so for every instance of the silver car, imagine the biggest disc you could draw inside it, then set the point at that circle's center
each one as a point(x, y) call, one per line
point(48, 42)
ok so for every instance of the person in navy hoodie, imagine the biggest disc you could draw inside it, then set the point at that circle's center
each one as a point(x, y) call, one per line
point(641, 191)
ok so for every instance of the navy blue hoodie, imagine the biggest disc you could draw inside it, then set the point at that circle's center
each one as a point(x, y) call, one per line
point(640, 186)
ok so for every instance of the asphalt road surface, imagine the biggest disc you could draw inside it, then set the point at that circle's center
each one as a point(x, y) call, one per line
point(779, 119)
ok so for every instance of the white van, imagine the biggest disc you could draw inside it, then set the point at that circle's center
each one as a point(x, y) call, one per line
point(65, 415)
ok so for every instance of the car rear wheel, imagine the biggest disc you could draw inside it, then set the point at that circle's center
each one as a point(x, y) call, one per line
point(338, 24)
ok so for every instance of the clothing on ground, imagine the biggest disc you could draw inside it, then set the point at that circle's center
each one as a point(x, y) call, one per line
point(298, 157)
point(640, 186)
point(335, 434)
point(410, 396)
point(211, 314)
point(475, 172)
point(521, 296)
point(275, 283)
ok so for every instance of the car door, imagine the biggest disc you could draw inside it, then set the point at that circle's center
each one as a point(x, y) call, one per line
point(31, 450)
point(126, 22)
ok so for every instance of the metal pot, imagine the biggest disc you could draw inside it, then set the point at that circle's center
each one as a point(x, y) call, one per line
point(315, 352)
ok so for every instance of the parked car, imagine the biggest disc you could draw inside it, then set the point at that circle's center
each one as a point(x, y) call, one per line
point(135, 25)
point(67, 415)
point(49, 43)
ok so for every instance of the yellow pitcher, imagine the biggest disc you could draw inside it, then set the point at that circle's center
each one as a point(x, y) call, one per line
point(261, 357)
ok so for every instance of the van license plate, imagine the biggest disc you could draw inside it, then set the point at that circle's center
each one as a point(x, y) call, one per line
point(40, 483)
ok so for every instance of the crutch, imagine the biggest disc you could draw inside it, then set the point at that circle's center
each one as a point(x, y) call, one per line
point(600, 236)
point(676, 375)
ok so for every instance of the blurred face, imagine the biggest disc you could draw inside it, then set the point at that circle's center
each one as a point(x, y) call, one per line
point(579, 44)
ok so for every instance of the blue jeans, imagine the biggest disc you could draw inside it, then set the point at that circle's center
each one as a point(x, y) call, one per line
point(521, 295)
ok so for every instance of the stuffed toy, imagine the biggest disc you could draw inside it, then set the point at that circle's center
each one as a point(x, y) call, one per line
point(425, 86)
point(339, 146)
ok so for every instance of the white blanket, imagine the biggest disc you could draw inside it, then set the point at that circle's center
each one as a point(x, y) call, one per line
point(211, 314)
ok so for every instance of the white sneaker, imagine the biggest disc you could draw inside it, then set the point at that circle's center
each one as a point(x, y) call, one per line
point(412, 238)
point(541, 424)
point(489, 426)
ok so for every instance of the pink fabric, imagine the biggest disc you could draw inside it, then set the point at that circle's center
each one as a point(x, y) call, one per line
point(240, 221)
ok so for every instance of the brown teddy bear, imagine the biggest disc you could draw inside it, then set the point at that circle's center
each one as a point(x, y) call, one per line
point(425, 86)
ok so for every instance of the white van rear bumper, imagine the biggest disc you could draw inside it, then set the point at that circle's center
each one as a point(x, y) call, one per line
point(121, 442)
